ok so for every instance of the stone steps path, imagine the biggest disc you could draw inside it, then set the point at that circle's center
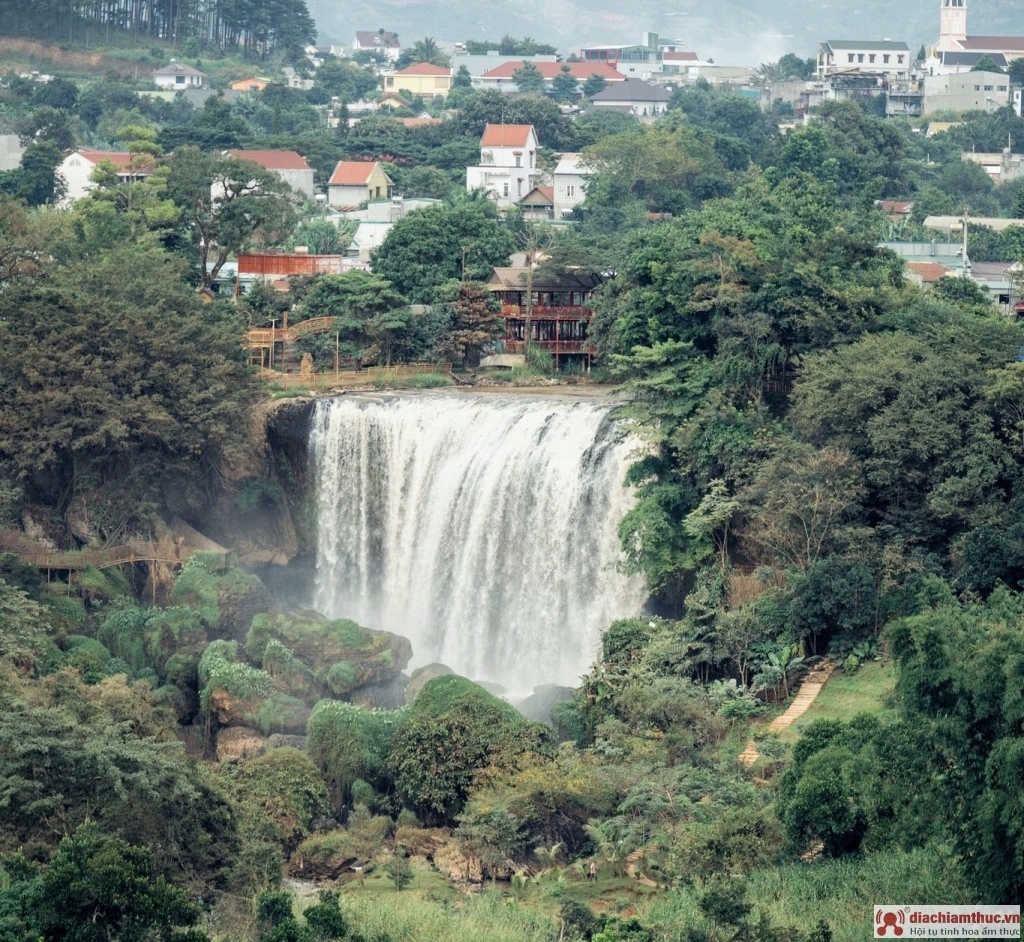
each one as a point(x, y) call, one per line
point(805, 696)
point(634, 873)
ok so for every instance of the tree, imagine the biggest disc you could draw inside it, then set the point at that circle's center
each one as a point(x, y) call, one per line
point(986, 64)
point(963, 291)
point(427, 248)
point(424, 50)
point(462, 78)
point(100, 888)
point(36, 181)
point(1016, 72)
point(474, 321)
point(228, 205)
point(593, 85)
point(564, 85)
point(798, 501)
point(398, 869)
point(528, 79)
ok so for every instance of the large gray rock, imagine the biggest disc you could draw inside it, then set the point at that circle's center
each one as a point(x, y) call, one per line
point(421, 676)
point(538, 705)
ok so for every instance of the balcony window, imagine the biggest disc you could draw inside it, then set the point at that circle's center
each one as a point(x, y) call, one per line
point(871, 58)
point(886, 59)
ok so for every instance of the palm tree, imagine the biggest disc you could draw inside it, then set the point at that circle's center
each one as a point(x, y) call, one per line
point(427, 50)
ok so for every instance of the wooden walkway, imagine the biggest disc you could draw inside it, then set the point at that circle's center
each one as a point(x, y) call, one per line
point(805, 696)
point(105, 557)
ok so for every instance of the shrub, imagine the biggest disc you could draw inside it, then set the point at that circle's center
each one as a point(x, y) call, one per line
point(220, 669)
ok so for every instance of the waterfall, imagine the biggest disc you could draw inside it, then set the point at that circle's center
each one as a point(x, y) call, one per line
point(483, 528)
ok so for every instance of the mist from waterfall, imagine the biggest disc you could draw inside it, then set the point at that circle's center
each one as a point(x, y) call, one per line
point(483, 528)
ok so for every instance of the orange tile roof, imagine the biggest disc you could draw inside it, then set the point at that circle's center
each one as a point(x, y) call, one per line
point(118, 158)
point(579, 70)
point(418, 122)
point(546, 194)
point(273, 159)
point(930, 272)
point(680, 56)
point(506, 135)
point(424, 68)
point(352, 173)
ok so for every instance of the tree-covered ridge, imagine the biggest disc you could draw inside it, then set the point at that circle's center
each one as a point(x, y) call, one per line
point(258, 28)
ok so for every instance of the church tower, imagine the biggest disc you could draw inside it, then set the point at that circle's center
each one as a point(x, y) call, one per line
point(953, 25)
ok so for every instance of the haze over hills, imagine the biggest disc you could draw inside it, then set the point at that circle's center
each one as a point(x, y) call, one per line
point(739, 32)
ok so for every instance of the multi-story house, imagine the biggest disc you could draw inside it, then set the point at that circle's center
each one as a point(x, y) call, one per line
point(378, 41)
point(421, 79)
point(884, 58)
point(77, 169)
point(555, 306)
point(569, 179)
point(508, 163)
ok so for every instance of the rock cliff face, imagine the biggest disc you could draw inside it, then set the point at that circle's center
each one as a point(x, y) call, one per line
point(260, 513)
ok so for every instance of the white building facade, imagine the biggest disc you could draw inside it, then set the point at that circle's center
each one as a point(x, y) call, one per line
point(508, 163)
point(178, 76)
point(570, 180)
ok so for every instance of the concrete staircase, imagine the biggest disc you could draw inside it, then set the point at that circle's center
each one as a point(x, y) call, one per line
point(805, 696)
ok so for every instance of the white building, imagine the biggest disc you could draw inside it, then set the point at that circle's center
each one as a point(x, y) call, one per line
point(378, 41)
point(969, 91)
point(355, 182)
point(636, 97)
point(77, 168)
point(570, 181)
point(10, 152)
point(508, 163)
point(178, 76)
point(290, 166)
point(891, 60)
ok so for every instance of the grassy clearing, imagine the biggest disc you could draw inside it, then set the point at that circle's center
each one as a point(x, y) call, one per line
point(846, 695)
point(840, 892)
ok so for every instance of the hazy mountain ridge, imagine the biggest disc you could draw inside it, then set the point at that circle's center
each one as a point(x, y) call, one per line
point(730, 31)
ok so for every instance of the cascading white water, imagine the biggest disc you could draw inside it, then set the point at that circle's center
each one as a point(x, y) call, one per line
point(483, 528)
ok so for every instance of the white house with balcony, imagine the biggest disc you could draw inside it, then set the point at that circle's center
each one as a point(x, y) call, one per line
point(508, 163)
point(884, 58)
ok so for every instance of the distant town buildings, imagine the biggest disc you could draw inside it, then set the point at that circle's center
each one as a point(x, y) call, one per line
point(421, 79)
point(636, 97)
point(378, 41)
point(882, 58)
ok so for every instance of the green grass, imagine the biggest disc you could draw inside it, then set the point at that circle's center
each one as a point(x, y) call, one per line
point(847, 695)
point(840, 892)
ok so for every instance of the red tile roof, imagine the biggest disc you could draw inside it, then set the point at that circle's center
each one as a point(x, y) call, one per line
point(418, 122)
point(993, 44)
point(117, 158)
point(579, 70)
point(352, 173)
point(273, 159)
point(546, 194)
point(424, 68)
point(680, 57)
point(506, 135)
point(930, 272)
point(895, 207)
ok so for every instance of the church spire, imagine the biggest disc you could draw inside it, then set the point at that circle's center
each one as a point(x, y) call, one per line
point(952, 25)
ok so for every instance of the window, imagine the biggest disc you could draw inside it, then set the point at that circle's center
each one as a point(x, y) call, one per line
point(988, 88)
point(179, 79)
point(860, 56)
point(504, 188)
point(390, 82)
point(886, 58)
point(570, 190)
point(977, 88)
point(519, 160)
point(900, 60)
point(871, 58)
point(850, 57)
point(1001, 88)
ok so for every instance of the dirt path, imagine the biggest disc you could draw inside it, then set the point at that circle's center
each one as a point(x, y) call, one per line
point(633, 872)
point(805, 696)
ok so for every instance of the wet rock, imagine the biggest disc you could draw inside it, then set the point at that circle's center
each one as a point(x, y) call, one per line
point(286, 741)
point(538, 705)
point(389, 695)
point(421, 676)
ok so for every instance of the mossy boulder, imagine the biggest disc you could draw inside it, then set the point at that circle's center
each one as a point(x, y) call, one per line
point(422, 676)
point(231, 691)
point(341, 655)
point(227, 600)
point(291, 676)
